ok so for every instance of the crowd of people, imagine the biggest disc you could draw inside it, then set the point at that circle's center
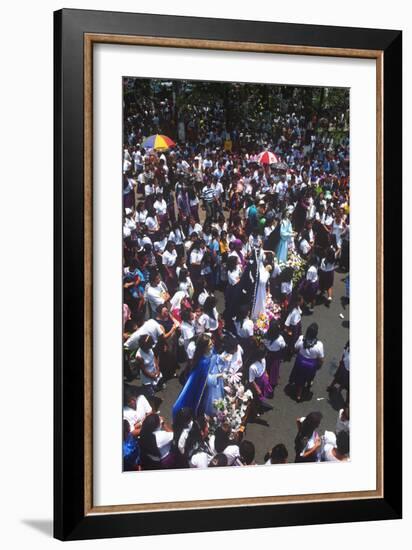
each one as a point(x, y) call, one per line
point(222, 255)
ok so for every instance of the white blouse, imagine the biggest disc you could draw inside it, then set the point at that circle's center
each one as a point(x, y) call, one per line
point(324, 266)
point(207, 323)
point(196, 256)
point(176, 236)
point(275, 345)
point(286, 287)
point(151, 224)
point(257, 369)
point(141, 216)
point(315, 352)
point(245, 329)
point(294, 317)
point(169, 258)
point(233, 277)
point(312, 274)
point(160, 207)
point(202, 297)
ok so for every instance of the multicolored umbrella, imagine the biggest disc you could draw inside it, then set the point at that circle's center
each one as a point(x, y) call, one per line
point(158, 141)
point(267, 157)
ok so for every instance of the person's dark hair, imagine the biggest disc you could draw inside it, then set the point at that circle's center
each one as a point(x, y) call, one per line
point(195, 246)
point(294, 302)
point(207, 258)
point(286, 275)
point(247, 451)
point(221, 439)
point(218, 460)
point(330, 256)
point(129, 392)
point(152, 276)
point(148, 443)
point(209, 305)
point(146, 342)
point(242, 313)
point(257, 352)
point(170, 245)
point(134, 264)
point(194, 439)
point(183, 273)
point(306, 429)
point(273, 330)
point(279, 454)
point(311, 336)
point(313, 261)
point(229, 344)
point(182, 420)
point(185, 315)
point(342, 443)
point(305, 236)
point(231, 263)
point(159, 308)
point(310, 423)
point(130, 325)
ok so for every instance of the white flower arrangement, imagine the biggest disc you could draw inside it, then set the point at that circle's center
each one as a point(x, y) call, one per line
point(232, 408)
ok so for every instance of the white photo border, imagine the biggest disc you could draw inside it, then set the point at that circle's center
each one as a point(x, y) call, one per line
point(110, 485)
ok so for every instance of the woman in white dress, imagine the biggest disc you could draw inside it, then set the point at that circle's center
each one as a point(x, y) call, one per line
point(264, 270)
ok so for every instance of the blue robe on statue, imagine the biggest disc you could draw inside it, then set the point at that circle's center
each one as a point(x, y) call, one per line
point(286, 233)
point(192, 394)
point(214, 386)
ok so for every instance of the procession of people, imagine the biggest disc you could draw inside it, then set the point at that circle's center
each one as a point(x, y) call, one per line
point(233, 229)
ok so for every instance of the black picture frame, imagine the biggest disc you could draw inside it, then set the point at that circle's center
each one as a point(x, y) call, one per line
point(70, 520)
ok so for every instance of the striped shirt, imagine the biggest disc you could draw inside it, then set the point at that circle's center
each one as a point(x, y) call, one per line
point(208, 193)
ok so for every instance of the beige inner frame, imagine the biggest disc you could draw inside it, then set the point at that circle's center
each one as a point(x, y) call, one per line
point(89, 40)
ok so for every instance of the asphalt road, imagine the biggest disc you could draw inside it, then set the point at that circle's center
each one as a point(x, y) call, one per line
point(279, 424)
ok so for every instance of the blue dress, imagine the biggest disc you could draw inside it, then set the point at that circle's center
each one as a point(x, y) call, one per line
point(193, 392)
point(286, 233)
point(214, 386)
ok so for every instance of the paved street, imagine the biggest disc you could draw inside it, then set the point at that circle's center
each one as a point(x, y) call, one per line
point(279, 425)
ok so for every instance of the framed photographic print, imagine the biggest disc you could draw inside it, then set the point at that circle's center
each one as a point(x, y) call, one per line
point(227, 274)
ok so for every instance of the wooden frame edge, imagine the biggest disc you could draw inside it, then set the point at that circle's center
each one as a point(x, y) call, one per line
point(380, 318)
point(89, 40)
point(88, 275)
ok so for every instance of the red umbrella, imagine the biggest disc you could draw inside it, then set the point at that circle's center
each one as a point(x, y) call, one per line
point(267, 157)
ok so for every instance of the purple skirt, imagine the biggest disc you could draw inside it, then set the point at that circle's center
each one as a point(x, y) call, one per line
point(326, 279)
point(303, 371)
point(264, 385)
point(128, 200)
point(308, 290)
point(167, 462)
point(273, 361)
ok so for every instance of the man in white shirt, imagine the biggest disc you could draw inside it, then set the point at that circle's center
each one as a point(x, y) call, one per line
point(135, 411)
point(150, 327)
point(156, 293)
